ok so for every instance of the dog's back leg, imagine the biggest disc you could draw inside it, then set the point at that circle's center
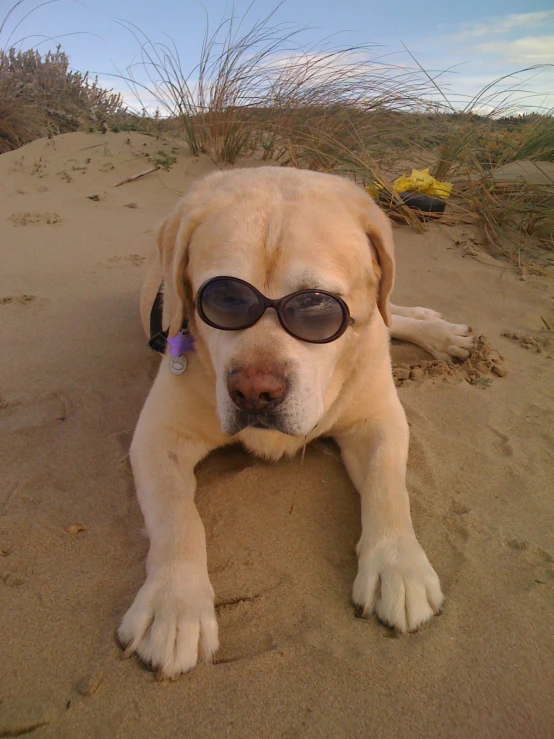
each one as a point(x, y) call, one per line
point(424, 314)
point(427, 329)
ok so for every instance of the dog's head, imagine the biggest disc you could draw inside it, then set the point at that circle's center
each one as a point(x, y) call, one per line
point(280, 230)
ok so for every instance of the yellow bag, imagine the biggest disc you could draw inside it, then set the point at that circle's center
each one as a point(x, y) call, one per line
point(421, 181)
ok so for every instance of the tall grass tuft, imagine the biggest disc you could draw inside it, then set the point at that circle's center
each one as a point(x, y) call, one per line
point(256, 87)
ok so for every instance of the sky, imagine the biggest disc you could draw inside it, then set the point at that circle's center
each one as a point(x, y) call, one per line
point(478, 41)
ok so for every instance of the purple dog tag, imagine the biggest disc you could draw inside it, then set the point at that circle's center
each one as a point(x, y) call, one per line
point(178, 345)
point(183, 342)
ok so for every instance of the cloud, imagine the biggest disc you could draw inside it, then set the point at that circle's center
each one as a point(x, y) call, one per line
point(484, 59)
point(145, 100)
point(501, 25)
point(499, 46)
point(529, 50)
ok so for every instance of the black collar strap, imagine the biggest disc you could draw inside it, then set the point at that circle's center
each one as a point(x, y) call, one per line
point(158, 337)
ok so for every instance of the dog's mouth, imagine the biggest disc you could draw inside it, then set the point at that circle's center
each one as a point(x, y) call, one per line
point(257, 420)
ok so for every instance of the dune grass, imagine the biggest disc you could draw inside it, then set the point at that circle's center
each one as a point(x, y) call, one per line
point(257, 91)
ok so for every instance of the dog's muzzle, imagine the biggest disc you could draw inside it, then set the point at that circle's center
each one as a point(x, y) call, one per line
point(257, 394)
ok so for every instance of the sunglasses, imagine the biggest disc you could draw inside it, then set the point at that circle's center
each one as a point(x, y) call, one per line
point(230, 304)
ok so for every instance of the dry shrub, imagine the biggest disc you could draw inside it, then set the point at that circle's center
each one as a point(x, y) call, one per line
point(19, 122)
point(40, 95)
point(516, 217)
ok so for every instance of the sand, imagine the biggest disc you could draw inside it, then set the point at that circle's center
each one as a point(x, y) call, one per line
point(534, 173)
point(294, 660)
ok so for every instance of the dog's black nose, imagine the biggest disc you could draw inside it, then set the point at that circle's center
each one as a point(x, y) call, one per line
point(257, 388)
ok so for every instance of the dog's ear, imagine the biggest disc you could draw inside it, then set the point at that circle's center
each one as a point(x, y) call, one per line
point(172, 244)
point(173, 239)
point(379, 232)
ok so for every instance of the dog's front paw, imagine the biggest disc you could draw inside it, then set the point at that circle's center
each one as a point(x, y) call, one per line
point(172, 623)
point(396, 581)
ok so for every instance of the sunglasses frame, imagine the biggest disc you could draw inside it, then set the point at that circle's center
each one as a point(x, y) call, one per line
point(277, 305)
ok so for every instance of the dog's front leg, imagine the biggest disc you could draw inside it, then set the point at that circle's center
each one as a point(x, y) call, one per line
point(395, 579)
point(171, 623)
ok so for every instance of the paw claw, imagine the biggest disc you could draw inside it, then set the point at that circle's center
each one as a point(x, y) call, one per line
point(387, 625)
point(128, 652)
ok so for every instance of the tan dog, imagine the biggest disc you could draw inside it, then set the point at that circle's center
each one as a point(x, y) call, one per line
point(280, 230)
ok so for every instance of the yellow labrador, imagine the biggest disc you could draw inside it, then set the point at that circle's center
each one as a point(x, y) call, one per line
point(284, 277)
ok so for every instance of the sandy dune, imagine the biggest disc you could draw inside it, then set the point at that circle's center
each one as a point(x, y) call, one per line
point(294, 661)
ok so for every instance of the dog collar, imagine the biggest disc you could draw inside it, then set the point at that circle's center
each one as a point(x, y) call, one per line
point(159, 339)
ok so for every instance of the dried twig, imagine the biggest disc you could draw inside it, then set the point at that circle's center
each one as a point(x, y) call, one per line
point(134, 177)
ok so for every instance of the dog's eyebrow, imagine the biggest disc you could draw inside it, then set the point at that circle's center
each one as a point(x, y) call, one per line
point(312, 281)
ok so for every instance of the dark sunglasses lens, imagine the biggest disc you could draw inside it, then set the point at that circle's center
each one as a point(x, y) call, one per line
point(230, 304)
point(313, 316)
